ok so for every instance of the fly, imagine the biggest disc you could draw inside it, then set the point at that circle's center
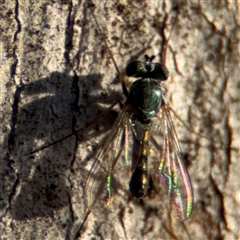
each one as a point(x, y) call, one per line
point(144, 145)
point(142, 148)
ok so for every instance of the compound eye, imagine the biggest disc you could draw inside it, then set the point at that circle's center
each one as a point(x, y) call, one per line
point(160, 72)
point(132, 68)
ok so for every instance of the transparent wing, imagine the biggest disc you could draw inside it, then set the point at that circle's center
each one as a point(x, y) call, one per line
point(102, 184)
point(170, 174)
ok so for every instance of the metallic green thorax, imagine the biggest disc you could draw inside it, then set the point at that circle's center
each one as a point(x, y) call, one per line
point(146, 98)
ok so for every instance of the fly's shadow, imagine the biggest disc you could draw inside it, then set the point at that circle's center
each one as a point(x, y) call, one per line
point(45, 111)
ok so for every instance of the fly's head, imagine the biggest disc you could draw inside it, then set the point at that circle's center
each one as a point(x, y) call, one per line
point(147, 69)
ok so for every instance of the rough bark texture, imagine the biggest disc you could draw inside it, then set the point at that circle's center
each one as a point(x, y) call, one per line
point(57, 74)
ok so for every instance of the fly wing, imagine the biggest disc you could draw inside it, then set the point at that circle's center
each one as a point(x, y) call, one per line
point(102, 184)
point(170, 174)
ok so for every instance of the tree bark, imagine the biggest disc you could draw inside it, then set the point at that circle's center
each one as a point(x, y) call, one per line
point(57, 75)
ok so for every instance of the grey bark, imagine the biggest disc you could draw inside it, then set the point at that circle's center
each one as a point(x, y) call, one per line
point(57, 75)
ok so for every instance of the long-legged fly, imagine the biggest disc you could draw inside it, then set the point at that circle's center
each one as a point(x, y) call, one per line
point(142, 144)
point(142, 150)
